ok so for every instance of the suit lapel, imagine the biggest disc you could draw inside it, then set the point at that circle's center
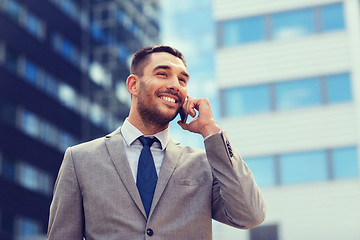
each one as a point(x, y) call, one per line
point(115, 146)
point(172, 155)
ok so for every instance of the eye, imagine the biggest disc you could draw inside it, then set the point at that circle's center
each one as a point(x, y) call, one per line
point(161, 74)
point(183, 80)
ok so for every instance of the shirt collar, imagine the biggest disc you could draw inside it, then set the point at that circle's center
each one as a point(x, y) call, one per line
point(130, 133)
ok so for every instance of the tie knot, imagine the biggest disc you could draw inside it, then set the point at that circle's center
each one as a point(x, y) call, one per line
point(146, 141)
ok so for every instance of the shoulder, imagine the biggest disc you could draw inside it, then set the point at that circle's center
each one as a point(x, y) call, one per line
point(189, 153)
point(95, 146)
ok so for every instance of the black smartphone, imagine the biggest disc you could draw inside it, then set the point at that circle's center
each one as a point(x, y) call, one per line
point(183, 115)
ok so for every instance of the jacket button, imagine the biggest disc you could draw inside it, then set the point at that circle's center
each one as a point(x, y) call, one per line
point(149, 232)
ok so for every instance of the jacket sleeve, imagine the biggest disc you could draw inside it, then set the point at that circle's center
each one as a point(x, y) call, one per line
point(236, 199)
point(66, 220)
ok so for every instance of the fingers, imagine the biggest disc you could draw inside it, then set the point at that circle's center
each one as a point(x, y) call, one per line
point(190, 105)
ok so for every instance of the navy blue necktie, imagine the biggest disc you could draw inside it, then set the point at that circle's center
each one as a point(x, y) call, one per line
point(146, 174)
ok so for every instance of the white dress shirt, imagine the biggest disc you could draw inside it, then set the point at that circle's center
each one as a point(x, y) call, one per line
point(133, 146)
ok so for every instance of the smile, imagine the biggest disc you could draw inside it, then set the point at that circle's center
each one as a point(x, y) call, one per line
point(169, 99)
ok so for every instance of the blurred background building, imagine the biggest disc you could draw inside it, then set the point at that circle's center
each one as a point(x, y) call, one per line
point(289, 79)
point(63, 66)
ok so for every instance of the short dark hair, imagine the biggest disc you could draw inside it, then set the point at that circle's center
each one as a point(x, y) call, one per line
point(139, 59)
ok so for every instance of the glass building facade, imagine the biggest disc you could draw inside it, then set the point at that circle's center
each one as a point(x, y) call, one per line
point(63, 66)
point(289, 86)
point(282, 25)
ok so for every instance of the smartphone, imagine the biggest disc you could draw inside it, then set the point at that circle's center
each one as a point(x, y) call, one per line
point(183, 115)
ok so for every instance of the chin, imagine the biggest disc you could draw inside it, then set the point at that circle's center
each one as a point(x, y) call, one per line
point(157, 115)
point(167, 117)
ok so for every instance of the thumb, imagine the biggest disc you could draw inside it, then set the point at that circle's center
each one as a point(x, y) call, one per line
point(183, 125)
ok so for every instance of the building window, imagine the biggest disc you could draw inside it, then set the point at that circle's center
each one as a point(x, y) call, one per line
point(67, 95)
point(27, 176)
point(13, 9)
point(282, 25)
point(6, 223)
point(303, 167)
point(332, 17)
point(66, 49)
point(34, 25)
point(33, 178)
point(22, 16)
point(242, 31)
point(267, 232)
point(45, 183)
point(30, 123)
point(8, 113)
point(300, 93)
point(50, 85)
point(26, 227)
point(293, 24)
point(263, 169)
point(345, 163)
point(8, 168)
point(11, 60)
point(2, 52)
point(31, 72)
point(247, 100)
point(96, 113)
point(338, 88)
point(287, 95)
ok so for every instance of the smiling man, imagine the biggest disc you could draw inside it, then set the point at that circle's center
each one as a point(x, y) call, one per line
point(137, 183)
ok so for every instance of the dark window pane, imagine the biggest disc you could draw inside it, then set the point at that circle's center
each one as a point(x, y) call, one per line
point(345, 163)
point(303, 167)
point(269, 232)
point(293, 24)
point(8, 113)
point(8, 168)
point(6, 223)
point(297, 94)
point(338, 88)
point(332, 17)
point(263, 169)
point(243, 30)
point(247, 100)
point(11, 60)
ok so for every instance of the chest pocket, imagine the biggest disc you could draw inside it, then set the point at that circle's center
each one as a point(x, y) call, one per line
point(188, 181)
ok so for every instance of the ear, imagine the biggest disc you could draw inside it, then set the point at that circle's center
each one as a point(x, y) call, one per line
point(132, 84)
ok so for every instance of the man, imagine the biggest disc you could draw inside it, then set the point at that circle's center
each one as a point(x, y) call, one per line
point(103, 192)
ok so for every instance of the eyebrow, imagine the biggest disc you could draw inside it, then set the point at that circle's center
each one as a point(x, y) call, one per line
point(166, 67)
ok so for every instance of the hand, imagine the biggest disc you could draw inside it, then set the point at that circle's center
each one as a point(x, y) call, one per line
point(204, 123)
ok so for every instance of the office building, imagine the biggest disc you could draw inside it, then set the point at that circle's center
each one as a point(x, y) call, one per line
point(63, 66)
point(289, 80)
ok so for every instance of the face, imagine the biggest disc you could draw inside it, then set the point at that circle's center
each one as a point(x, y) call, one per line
point(162, 88)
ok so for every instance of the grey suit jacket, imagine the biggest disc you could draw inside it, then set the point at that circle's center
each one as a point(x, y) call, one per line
point(96, 197)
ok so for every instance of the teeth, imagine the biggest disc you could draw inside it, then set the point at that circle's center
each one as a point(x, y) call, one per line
point(169, 99)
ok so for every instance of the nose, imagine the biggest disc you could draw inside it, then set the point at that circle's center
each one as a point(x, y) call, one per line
point(173, 84)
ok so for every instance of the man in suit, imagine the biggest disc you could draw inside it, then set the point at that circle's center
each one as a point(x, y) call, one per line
point(99, 192)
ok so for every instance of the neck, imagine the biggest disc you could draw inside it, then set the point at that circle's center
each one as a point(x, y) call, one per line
point(146, 127)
